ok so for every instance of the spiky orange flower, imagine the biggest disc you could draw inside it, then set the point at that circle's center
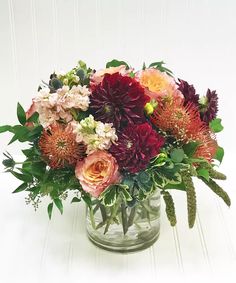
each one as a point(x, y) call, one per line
point(184, 123)
point(59, 147)
point(177, 120)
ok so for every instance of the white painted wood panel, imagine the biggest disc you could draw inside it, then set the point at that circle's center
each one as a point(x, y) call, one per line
point(197, 39)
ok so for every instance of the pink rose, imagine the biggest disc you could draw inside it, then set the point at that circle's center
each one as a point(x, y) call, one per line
point(97, 77)
point(97, 171)
point(29, 113)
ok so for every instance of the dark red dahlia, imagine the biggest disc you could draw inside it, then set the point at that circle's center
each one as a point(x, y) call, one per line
point(209, 107)
point(188, 92)
point(136, 145)
point(119, 100)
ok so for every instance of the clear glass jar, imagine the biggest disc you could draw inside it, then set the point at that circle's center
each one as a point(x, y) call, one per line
point(121, 228)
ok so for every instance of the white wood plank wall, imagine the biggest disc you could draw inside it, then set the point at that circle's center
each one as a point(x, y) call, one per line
point(197, 40)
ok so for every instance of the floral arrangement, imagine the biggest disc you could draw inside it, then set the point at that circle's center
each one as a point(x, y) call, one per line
point(117, 134)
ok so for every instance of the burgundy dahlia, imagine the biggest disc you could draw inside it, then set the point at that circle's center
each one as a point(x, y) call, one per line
point(210, 109)
point(188, 92)
point(136, 145)
point(119, 100)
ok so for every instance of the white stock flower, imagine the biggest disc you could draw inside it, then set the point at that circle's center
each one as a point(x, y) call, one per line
point(95, 134)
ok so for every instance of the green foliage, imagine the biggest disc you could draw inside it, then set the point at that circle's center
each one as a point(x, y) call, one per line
point(170, 208)
point(219, 154)
point(116, 63)
point(203, 172)
point(177, 155)
point(50, 207)
point(75, 199)
point(216, 125)
point(5, 128)
point(21, 114)
point(190, 148)
point(160, 67)
point(21, 188)
point(58, 204)
point(113, 192)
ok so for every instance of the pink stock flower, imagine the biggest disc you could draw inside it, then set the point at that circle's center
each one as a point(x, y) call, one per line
point(97, 171)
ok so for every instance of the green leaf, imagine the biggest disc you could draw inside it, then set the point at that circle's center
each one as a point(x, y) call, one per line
point(23, 177)
point(177, 155)
point(21, 114)
point(5, 128)
point(21, 188)
point(109, 196)
point(87, 199)
point(128, 181)
point(33, 118)
point(219, 154)
point(58, 204)
point(202, 172)
point(116, 63)
point(216, 125)
point(160, 67)
point(20, 133)
point(75, 199)
point(50, 207)
point(180, 187)
point(126, 194)
point(190, 148)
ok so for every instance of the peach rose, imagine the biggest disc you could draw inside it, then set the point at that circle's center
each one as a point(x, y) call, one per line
point(159, 86)
point(97, 77)
point(97, 171)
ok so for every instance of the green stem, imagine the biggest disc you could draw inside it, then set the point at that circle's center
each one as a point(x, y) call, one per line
point(113, 214)
point(131, 216)
point(124, 218)
point(92, 218)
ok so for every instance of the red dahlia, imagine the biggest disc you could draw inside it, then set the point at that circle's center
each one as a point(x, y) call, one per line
point(59, 147)
point(119, 100)
point(136, 145)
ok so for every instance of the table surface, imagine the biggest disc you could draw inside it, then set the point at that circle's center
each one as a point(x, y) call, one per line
point(34, 249)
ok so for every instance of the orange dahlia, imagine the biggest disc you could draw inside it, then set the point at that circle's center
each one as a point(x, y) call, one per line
point(185, 125)
point(59, 147)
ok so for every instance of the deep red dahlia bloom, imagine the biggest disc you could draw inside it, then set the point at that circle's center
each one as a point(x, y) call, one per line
point(208, 113)
point(188, 92)
point(136, 145)
point(119, 100)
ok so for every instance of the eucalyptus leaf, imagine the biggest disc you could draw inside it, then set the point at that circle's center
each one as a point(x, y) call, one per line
point(177, 155)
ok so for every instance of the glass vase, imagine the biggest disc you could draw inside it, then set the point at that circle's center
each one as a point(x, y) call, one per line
point(123, 228)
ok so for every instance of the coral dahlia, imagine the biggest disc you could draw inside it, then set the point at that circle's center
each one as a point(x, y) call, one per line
point(119, 100)
point(59, 147)
point(136, 145)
